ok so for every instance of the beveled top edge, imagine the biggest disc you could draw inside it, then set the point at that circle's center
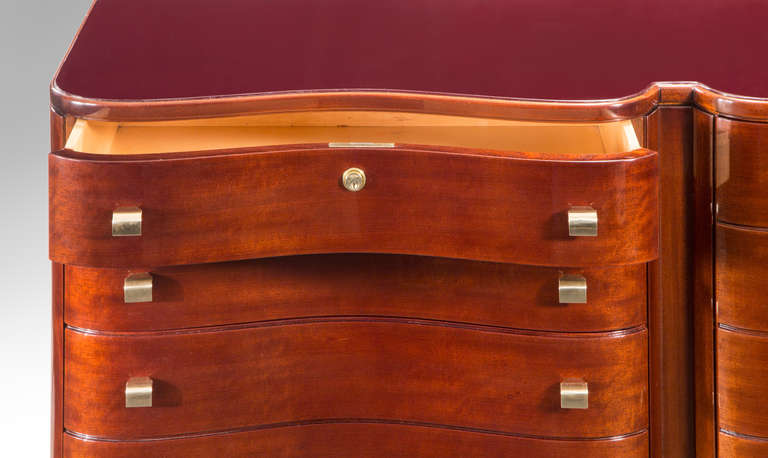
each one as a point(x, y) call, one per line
point(481, 106)
point(632, 106)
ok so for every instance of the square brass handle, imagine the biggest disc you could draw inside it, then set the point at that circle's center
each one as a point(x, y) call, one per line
point(574, 394)
point(138, 392)
point(572, 289)
point(126, 222)
point(137, 288)
point(582, 222)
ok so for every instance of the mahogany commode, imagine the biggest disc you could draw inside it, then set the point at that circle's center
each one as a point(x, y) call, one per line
point(287, 230)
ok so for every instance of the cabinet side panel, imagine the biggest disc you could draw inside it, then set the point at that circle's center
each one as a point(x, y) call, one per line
point(57, 366)
point(58, 139)
point(670, 133)
point(703, 311)
point(58, 131)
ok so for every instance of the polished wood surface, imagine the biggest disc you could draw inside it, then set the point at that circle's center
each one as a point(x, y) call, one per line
point(734, 107)
point(629, 107)
point(703, 289)
point(741, 173)
point(742, 266)
point(732, 446)
point(57, 358)
point(58, 126)
point(455, 203)
point(395, 370)
point(473, 212)
point(506, 295)
point(371, 440)
point(742, 371)
point(669, 130)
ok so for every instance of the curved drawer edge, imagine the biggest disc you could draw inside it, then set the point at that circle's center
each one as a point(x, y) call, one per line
point(733, 445)
point(354, 439)
point(742, 397)
point(741, 266)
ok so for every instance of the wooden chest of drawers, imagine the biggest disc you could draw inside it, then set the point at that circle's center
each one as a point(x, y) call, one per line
point(287, 230)
point(521, 329)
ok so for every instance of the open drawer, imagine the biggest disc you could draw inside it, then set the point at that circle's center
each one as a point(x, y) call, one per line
point(291, 128)
point(279, 184)
point(273, 201)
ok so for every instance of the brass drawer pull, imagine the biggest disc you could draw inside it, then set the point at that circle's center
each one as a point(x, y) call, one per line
point(138, 392)
point(353, 179)
point(582, 222)
point(572, 289)
point(574, 394)
point(126, 222)
point(137, 288)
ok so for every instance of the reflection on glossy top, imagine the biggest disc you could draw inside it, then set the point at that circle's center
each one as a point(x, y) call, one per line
point(563, 49)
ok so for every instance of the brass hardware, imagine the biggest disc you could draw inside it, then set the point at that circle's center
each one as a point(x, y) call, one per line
point(137, 288)
point(582, 222)
point(353, 179)
point(138, 392)
point(360, 145)
point(572, 289)
point(574, 394)
point(126, 222)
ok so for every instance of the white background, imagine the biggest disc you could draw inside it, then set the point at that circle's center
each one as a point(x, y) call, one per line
point(34, 36)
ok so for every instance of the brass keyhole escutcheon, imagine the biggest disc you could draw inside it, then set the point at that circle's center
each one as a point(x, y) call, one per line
point(353, 179)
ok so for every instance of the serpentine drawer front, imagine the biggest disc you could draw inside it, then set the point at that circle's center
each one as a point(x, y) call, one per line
point(549, 350)
point(491, 294)
point(410, 228)
point(425, 201)
point(290, 372)
point(741, 257)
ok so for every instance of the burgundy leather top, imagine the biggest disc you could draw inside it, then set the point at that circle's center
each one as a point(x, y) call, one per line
point(554, 49)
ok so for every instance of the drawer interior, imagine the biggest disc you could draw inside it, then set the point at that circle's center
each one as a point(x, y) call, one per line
point(99, 137)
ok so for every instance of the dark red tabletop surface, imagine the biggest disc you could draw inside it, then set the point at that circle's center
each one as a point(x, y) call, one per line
point(551, 49)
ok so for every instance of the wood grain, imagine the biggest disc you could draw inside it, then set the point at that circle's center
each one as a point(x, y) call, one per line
point(494, 294)
point(629, 107)
point(369, 440)
point(729, 105)
point(742, 267)
point(58, 126)
point(670, 280)
point(457, 204)
point(731, 446)
point(703, 289)
point(354, 369)
point(741, 173)
point(742, 371)
point(57, 358)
